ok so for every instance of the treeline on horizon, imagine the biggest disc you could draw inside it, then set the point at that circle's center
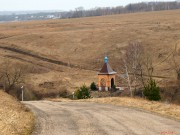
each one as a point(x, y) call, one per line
point(130, 8)
point(81, 12)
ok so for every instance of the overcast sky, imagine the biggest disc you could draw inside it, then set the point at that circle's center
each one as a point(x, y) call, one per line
point(17, 5)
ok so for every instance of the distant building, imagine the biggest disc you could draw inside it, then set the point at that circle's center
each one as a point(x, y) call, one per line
point(106, 77)
point(50, 16)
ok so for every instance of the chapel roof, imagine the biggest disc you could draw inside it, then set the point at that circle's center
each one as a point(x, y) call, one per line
point(106, 69)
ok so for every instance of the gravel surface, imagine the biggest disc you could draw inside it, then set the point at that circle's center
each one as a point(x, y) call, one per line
point(84, 118)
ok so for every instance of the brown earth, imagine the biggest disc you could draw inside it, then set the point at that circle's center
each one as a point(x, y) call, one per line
point(69, 52)
point(15, 119)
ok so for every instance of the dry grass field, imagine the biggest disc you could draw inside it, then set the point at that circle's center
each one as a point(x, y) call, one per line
point(15, 119)
point(64, 54)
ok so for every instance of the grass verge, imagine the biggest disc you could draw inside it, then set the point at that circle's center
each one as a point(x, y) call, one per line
point(15, 118)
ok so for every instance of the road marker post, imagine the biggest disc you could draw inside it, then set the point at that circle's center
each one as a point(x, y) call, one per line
point(73, 95)
point(22, 92)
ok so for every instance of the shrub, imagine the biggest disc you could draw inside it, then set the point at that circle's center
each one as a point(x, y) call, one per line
point(151, 90)
point(83, 92)
point(114, 87)
point(93, 86)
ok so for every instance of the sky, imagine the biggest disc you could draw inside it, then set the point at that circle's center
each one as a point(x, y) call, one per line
point(65, 5)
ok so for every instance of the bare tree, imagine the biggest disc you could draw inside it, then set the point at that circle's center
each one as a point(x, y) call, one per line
point(137, 66)
point(137, 7)
point(79, 12)
point(132, 64)
point(11, 75)
point(148, 65)
point(176, 65)
point(126, 76)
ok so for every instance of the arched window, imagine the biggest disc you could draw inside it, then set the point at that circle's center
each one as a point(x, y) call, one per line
point(103, 82)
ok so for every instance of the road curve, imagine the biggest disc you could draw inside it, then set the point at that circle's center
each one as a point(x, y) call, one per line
point(84, 118)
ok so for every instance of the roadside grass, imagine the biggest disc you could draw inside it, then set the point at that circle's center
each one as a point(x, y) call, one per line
point(163, 109)
point(15, 119)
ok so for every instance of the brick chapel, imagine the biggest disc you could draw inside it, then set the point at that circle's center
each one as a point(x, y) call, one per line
point(106, 77)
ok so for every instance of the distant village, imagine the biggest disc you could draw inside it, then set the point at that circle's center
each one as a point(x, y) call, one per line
point(27, 16)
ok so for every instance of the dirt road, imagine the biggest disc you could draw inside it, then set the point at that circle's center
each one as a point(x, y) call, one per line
point(77, 118)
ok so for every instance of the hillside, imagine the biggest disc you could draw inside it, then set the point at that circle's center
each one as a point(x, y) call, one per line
point(63, 54)
point(15, 119)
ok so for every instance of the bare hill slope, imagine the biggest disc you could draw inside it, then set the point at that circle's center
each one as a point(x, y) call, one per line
point(69, 52)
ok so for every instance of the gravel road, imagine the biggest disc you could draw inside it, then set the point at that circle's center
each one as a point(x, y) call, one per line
point(84, 118)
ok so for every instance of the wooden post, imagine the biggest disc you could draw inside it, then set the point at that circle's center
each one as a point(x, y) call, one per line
point(22, 93)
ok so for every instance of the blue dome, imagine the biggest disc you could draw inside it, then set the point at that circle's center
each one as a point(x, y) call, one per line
point(106, 59)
